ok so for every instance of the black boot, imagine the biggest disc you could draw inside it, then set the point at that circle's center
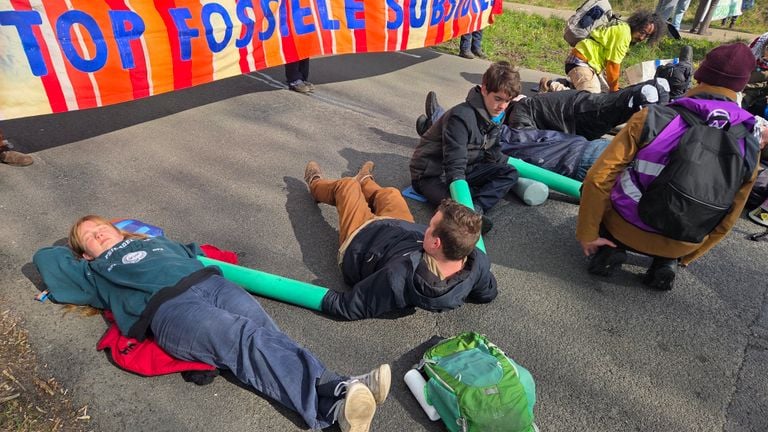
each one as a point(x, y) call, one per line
point(487, 224)
point(661, 274)
point(430, 105)
point(422, 125)
point(606, 261)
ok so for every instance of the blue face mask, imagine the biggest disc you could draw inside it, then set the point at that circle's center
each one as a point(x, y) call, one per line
point(498, 118)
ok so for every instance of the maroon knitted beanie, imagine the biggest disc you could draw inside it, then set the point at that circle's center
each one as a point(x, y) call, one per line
point(727, 66)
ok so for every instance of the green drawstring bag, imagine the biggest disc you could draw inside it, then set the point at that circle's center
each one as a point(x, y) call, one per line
point(475, 387)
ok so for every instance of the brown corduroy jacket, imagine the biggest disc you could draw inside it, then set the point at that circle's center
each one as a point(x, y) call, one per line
point(595, 207)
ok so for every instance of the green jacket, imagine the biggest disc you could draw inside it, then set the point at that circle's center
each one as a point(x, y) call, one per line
point(131, 279)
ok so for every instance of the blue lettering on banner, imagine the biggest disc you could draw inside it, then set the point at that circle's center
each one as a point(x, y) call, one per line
point(418, 21)
point(124, 35)
point(128, 26)
point(270, 17)
point(23, 21)
point(353, 8)
point(180, 17)
point(208, 10)
point(451, 10)
point(64, 31)
point(395, 6)
point(299, 13)
point(437, 12)
point(326, 23)
point(247, 22)
point(283, 8)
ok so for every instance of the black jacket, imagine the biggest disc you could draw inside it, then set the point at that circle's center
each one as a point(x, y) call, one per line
point(384, 266)
point(576, 112)
point(463, 136)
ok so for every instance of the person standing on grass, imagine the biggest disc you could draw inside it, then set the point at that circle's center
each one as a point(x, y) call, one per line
point(469, 45)
point(605, 49)
point(672, 11)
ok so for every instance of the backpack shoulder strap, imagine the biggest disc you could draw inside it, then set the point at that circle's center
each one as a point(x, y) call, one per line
point(687, 115)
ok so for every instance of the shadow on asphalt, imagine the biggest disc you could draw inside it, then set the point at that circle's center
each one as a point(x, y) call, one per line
point(296, 419)
point(401, 392)
point(32, 134)
point(29, 270)
point(407, 141)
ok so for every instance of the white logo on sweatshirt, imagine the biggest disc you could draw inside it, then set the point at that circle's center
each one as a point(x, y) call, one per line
point(134, 257)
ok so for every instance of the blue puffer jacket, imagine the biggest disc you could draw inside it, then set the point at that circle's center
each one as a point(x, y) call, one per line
point(556, 151)
point(384, 266)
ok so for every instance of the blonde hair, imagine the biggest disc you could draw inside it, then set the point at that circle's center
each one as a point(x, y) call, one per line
point(77, 246)
point(78, 250)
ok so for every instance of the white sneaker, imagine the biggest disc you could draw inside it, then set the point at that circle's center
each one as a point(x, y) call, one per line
point(378, 382)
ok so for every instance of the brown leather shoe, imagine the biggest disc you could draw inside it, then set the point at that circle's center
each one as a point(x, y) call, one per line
point(366, 172)
point(543, 85)
point(14, 158)
point(312, 172)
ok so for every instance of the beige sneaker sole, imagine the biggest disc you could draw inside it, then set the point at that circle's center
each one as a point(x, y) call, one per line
point(383, 375)
point(359, 408)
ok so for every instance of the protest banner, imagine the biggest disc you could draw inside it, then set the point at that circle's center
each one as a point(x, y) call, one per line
point(65, 55)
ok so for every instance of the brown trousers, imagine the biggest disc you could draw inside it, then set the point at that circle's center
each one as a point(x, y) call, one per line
point(357, 203)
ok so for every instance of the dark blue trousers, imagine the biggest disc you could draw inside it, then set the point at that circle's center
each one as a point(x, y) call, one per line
point(488, 183)
point(297, 71)
point(218, 323)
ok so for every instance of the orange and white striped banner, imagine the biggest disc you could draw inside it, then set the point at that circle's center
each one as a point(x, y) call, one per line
point(65, 55)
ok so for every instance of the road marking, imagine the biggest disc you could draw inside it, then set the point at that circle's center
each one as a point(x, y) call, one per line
point(268, 80)
point(408, 54)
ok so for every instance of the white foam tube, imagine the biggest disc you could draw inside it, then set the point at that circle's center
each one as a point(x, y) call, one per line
point(530, 191)
point(416, 384)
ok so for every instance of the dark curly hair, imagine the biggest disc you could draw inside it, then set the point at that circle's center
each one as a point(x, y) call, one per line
point(638, 20)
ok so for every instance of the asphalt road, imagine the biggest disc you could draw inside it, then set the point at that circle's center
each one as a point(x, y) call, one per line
point(223, 164)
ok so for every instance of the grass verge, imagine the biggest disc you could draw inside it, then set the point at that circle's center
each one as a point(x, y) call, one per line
point(536, 42)
point(754, 20)
point(29, 402)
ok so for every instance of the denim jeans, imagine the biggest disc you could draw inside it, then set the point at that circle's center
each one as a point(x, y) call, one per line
point(592, 151)
point(218, 323)
point(471, 41)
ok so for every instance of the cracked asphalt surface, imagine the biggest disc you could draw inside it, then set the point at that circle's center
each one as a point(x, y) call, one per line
point(223, 164)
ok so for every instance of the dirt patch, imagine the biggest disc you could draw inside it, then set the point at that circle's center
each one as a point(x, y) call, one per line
point(30, 402)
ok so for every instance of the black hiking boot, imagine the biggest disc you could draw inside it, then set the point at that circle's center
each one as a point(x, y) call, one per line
point(606, 261)
point(661, 274)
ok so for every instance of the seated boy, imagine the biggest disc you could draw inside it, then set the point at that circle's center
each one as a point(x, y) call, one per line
point(464, 145)
point(393, 263)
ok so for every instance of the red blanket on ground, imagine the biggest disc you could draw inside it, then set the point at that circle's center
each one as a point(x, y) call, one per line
point(145, 357)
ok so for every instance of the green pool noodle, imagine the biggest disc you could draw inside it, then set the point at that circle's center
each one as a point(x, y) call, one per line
point(269, 285)
point(460, 193)
point(554, 180)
